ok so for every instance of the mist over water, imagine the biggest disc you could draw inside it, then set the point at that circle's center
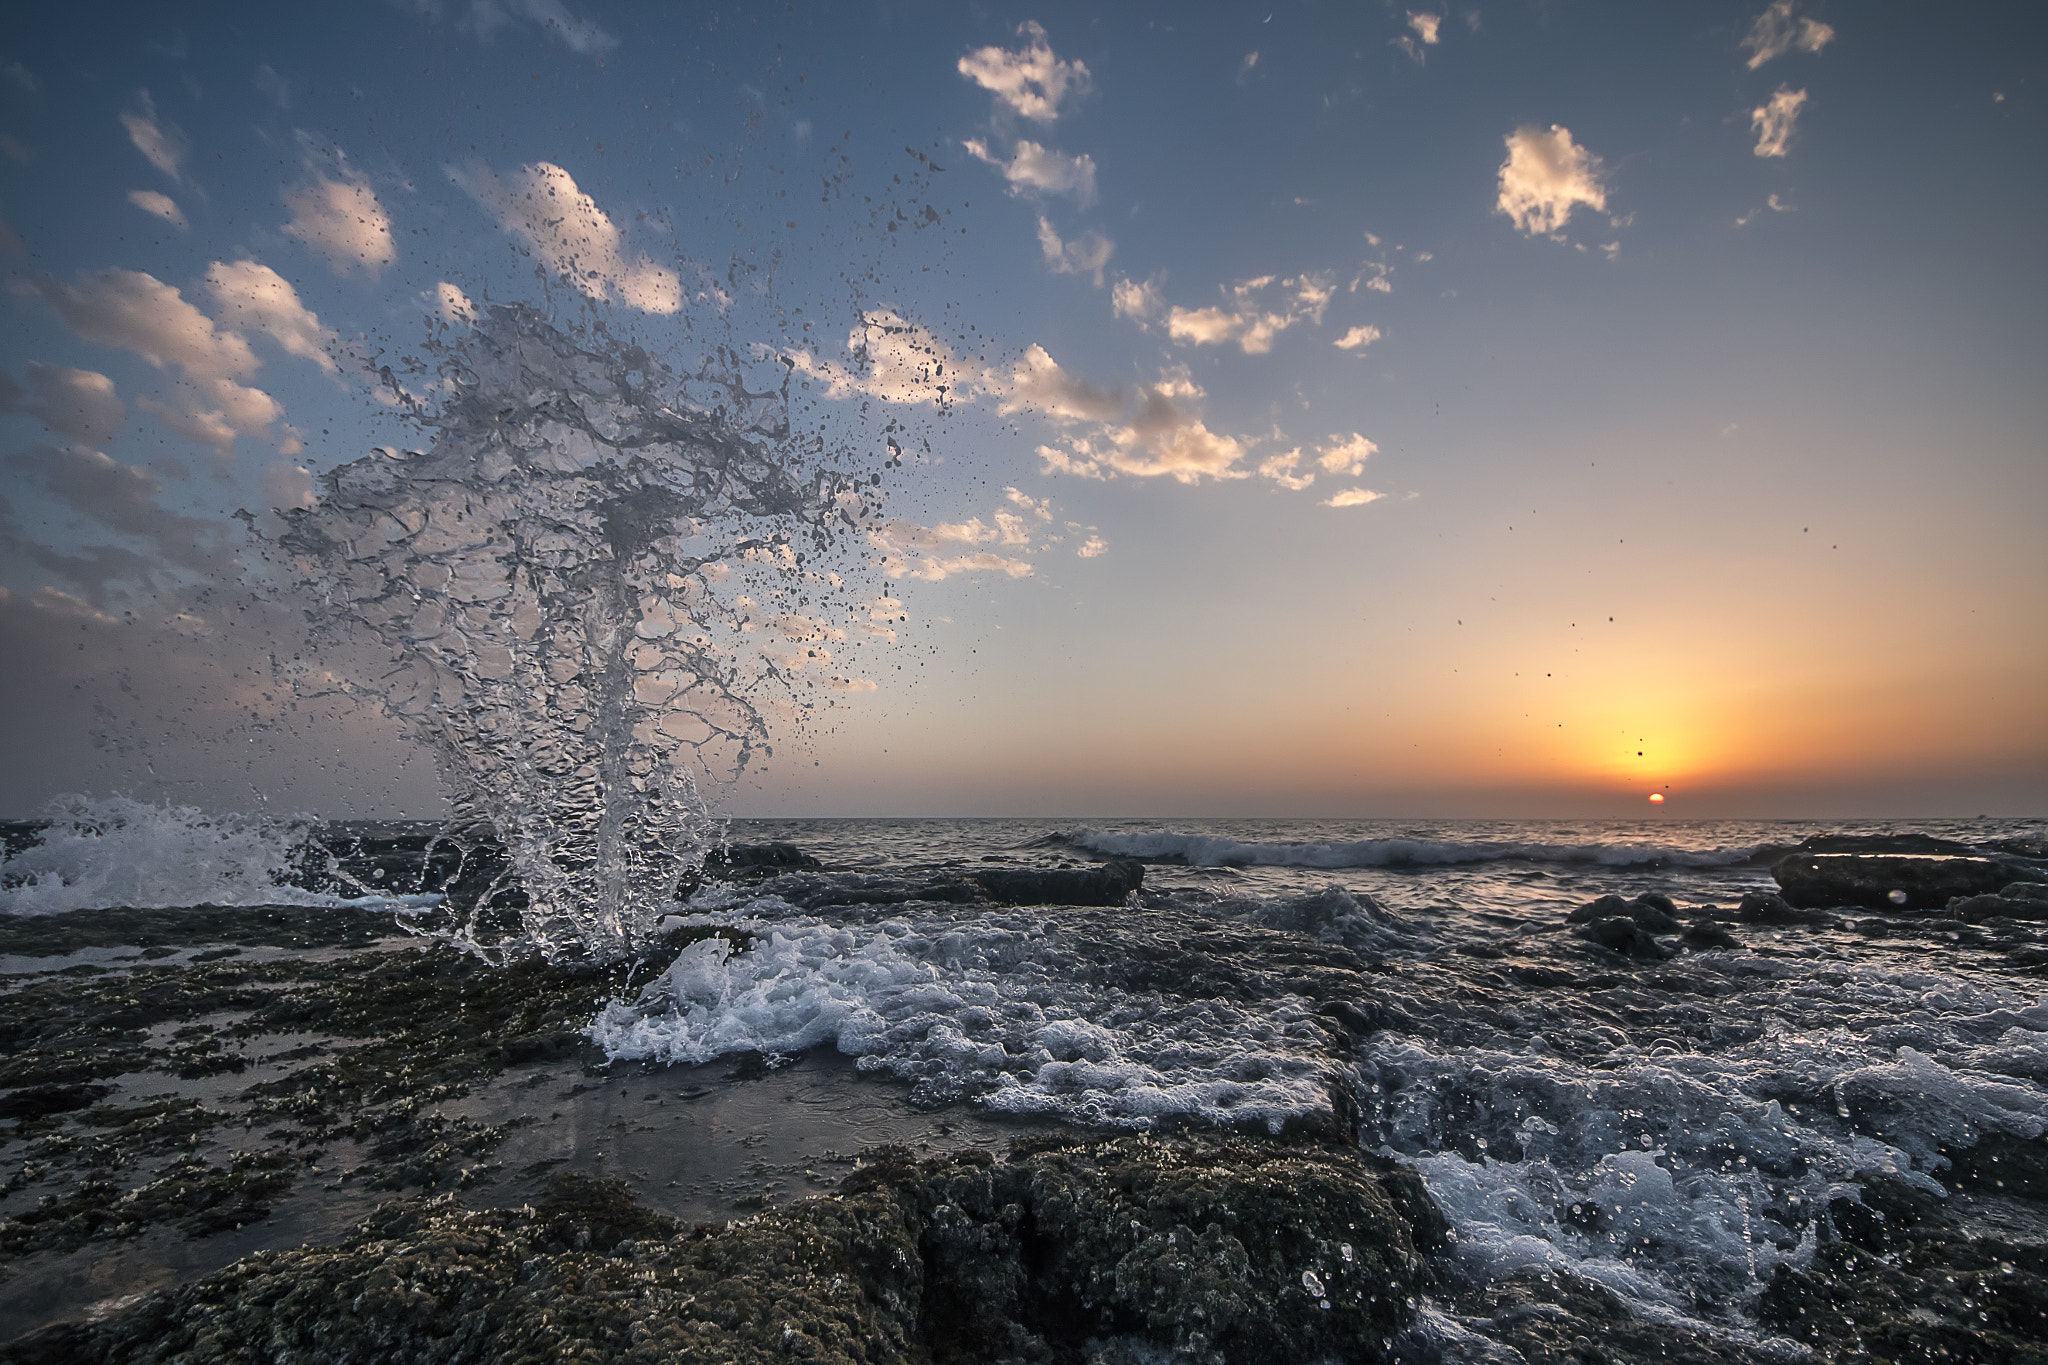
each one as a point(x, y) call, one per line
point(565, 586)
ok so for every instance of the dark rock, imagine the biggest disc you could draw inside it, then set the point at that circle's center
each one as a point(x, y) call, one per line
point(1607, 907)
point(1888, 881)
point(38, 1100)
point(1768, 907)
point(2000, 1163)
point(1706, 934)
point(1105, 884)
point(1652, 911)
point(1622, 936)
point(747, 862)
point(1234, 1250)
point(1974, 909)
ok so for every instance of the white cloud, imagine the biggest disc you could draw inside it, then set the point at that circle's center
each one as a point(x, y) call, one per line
point(1038, 508)
point(1031, 82)
point(1041, 170)
point(80, 404)
point(162, 205)
point(1545, 176)
point(1091, 548)
point(137, 312)
point(1777, 31)
point(1139, 302)
point(935, 553)
point(1774, 121)
point(896, 361)
point(1358, 338)
point(541, 205)
point(252, 296)
point(1424, 32)
point(269, 82)
point(161, 143)
point(454, 304)
point(1248, 317)
point(1352, 497)
point(342, 220)
point(1280, 469)
point(1085, 255)
point(1037, 383)
point(1346, 454)
point(1160, 438)
point(287, 485)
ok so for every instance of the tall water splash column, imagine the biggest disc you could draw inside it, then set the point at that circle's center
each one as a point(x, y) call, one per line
point(562, 584)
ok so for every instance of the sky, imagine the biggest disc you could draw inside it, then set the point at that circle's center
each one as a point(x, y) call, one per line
point(1511, 409)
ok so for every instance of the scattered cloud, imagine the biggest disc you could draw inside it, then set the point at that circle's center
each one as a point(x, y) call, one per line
point(1091, 548)
point(10, 241)
point(134, 311)
point(1778, 205)
point(342, 220)
point(1774, 121)
point(21, 78)
point(454, 304)
point(1281, 468)
point(1249, 317)
point(935, 553)
point(1036, 383)
point(1030, 82)
point(1033, 168)
point(1141, 302)
point(80, 404)
point(895, 361)
point(287, 486)
point(1545, 176)
point(160, 142)
point(1424, 31)
point(1358, 338)
point(1246, 67)
point(1352, 497)
point(1346, 454)
point(541, 206)
point(161, 205)
point(17, 151)
point(1162, 437)
point(253, 297)
point(1085, 255)
point(1778, 30)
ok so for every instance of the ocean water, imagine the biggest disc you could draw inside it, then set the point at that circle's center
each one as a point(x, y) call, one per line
point(1672, 1129)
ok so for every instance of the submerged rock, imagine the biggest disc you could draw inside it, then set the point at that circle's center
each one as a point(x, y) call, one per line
point(1889, 881)
point(1233, 1250)
point(751, 862)
point(1105, 884)
point(2018, 900)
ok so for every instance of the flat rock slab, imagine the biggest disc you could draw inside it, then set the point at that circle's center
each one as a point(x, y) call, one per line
point(1237, 1250)
point(1890, 881)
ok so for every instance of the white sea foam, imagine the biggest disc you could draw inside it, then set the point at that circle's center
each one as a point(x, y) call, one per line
point(988, 1007)
point(97, 852)
point(1207, 850)
point(1681, 1178)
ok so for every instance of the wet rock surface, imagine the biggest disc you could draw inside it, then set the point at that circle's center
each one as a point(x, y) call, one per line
point(1916, 1278)
point(1066, 1251)
point(1892, 881)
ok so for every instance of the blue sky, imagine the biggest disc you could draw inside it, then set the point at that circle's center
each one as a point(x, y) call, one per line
point(1323, 379)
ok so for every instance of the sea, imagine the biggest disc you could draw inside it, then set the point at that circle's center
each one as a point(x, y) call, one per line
point(1673, 1128)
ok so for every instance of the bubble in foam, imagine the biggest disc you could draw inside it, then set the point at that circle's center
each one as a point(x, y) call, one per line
point(564, 585)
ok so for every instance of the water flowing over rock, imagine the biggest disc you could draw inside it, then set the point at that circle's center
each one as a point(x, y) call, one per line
point(565, 584)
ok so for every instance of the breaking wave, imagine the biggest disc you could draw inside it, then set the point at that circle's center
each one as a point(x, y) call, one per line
point(1204, 850)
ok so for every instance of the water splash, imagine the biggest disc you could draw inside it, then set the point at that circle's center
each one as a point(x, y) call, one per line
point(567, 584)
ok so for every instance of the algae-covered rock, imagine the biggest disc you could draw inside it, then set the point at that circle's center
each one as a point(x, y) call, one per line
point(1220, 1249)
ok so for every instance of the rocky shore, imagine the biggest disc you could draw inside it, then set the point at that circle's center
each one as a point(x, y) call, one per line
point(283, 1135)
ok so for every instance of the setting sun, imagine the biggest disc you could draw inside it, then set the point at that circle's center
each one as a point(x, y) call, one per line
point(1656, 798)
